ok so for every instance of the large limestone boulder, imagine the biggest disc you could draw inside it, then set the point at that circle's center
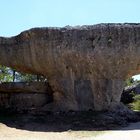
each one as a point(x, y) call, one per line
point(85, 66)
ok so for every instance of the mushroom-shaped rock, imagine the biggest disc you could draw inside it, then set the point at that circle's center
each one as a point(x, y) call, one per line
point(85, 66)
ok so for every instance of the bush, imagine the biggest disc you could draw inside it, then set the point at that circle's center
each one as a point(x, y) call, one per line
point(127, 98)
point(136, 104)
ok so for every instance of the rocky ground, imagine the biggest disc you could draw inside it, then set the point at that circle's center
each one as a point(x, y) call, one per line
point(63, 121)
point(62, 126)
point(58, 127)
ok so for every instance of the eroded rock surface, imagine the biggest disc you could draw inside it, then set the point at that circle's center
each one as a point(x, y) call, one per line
point(29, 87)
point(85, 66)
point(22, 96)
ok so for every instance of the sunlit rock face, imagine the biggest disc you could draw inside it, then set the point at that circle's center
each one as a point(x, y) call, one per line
point(85, 65)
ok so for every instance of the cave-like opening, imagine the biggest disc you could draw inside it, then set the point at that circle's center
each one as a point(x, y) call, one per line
point(22, 91)
point(131, 93)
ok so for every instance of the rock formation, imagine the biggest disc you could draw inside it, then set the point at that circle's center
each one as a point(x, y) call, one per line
point(85, 65)
point(23, 96)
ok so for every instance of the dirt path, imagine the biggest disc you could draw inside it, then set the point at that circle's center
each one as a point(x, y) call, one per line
point(131, 132)
point(127, 133)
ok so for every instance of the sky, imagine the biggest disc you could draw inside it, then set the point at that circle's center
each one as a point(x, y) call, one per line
point(20, 15)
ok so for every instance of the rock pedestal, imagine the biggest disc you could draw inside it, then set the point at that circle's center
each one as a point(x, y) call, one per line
point(85, 66)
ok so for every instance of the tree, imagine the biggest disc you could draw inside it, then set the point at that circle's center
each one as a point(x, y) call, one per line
point(5, 74)
point(23, 77)
point(11, 75)
point(129, 81)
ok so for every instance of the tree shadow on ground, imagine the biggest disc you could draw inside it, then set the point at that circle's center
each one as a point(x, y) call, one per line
point(67, 121)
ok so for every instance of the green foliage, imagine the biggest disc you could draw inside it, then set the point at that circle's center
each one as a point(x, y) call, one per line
point(10, 75)
point(22, 77)
point(5, 74)
point(137, 97)
point(129, 82)
point(136, 104)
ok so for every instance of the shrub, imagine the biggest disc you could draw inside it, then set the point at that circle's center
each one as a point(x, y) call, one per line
point(136, 104)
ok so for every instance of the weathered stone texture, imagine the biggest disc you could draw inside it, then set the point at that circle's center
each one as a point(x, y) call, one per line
point(85, 66)
point(24, 87)
point(24, 96)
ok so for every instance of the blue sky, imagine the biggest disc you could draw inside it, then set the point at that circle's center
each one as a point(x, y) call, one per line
point(19, 15)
